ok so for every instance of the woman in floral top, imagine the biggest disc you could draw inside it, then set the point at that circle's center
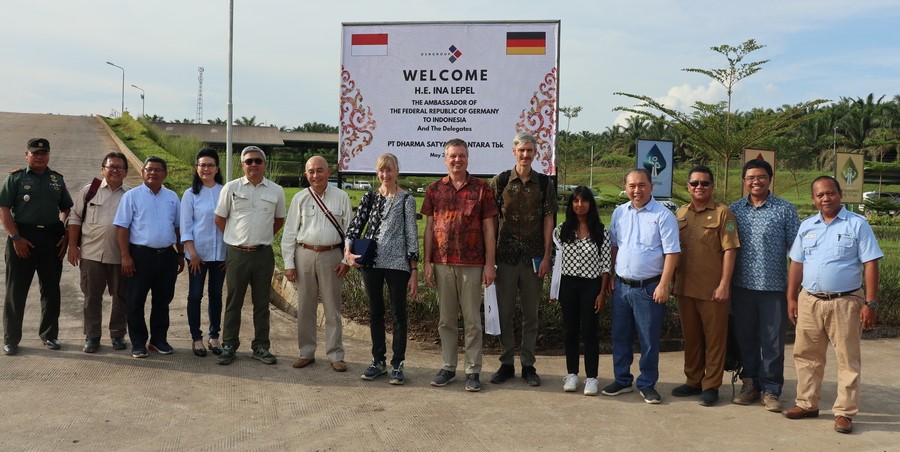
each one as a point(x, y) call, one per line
point(582, 269)
point(390, 214)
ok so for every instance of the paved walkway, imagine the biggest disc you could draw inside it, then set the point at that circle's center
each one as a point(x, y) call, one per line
point(69, 400)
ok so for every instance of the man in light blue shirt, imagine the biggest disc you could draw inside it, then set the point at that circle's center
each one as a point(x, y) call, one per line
point(830, 252)
point(147, 220)
point(644, 251)
point(766, 228)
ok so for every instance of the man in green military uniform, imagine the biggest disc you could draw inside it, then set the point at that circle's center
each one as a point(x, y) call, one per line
point(34, 205)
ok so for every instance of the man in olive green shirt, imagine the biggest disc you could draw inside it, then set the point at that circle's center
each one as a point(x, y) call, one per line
point(34, 204)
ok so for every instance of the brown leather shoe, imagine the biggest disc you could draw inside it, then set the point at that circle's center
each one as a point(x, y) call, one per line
point(843, 424)
point(799, 413)
point(300, 363)
point(339, 366)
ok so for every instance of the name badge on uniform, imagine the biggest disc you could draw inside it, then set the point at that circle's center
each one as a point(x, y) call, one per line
point(810, 236)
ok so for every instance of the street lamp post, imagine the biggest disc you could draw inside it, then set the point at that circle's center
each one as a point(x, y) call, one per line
point(123, 86)
point(142, 98)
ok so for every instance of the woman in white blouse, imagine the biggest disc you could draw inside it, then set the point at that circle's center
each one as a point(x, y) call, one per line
point(582, 270)
point(204, 249)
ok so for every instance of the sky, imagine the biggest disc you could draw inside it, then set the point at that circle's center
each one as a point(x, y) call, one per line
point(287, 53)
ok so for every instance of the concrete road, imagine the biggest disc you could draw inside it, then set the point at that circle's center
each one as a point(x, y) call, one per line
point(69, 400)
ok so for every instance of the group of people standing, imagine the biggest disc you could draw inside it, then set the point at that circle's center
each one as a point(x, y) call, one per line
point(718, 261)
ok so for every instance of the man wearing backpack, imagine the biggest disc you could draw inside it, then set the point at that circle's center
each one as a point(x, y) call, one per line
point(527, 204)
point(94, 247)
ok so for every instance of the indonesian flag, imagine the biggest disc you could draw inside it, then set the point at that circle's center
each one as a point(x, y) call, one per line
point(375, 44)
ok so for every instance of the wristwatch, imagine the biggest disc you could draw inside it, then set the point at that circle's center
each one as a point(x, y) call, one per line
point(872, 304)
point(14, 237)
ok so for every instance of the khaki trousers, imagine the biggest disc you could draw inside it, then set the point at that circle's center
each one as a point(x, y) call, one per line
point(317, 278)
point(459, 289)
point(96, 278)
point(704, 324)
point(818, 323)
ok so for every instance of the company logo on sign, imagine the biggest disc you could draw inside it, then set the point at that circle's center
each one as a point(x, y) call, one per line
point(453, 53)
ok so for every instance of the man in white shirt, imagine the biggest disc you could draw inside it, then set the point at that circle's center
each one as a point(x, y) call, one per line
point(249, 213)
point(312, 249)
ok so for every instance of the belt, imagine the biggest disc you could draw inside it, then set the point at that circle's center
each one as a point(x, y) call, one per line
point(37, 226)
point(639, 282)
point(248, 248)
point(149, 248)
point(830, 295)
point(320, 248)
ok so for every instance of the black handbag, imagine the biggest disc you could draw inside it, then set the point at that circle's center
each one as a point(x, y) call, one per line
point(366, 249)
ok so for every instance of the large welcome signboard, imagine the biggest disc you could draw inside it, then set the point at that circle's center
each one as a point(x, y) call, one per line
point(407, 88)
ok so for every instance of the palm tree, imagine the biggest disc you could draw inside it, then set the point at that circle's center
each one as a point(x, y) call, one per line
point(245, 121)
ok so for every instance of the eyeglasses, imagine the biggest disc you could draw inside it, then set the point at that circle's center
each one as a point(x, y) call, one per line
point(257, 161)
point(753, 178)
point(154, 170)
point(208, 165)
point(114, 169)
point(695, 183)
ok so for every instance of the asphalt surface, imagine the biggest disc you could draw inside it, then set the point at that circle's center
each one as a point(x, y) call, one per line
point(69, 400)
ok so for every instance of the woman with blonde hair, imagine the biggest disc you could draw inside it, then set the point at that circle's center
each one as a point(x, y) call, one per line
point(388, 216)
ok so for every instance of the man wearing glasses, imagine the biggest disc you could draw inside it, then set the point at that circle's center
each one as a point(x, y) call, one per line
point(148, 222)
point(249, 213)
point(767, 226)
point(94, 247)
point(709, 244)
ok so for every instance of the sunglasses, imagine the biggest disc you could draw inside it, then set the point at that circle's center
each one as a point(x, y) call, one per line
point(256, 161)
point(695, 183)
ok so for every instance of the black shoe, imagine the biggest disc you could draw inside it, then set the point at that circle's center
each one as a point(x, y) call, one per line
point(215, 350)
point(473, 383)
point(118, 343)
point(201, 352)
point(139, 352)
point(91, 344)
point(709, 397)
point(686, 390)
point(228, 355)
point(162, 347)
point(529, 374)
point(650, 395)
point(10, 349)
point(505, 372)
point(443, 378)
point(52, 344)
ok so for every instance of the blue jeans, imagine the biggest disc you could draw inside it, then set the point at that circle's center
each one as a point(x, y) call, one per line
point(760, 322)
point(195, 294)
point(634, 311)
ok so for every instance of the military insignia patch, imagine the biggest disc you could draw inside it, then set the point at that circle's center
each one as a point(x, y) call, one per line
point(729, 226)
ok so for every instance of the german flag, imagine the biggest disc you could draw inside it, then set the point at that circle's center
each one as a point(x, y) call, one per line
point(526, 43)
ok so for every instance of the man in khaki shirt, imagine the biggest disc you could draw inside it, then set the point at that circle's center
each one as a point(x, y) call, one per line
point(249, 213)
point(312, 250)
point(94, 248)
point(709, 243)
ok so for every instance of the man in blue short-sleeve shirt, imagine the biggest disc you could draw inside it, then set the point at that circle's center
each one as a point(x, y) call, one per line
point(644, 251)
point(766, 227)
point(830, 252)
point(148, 220)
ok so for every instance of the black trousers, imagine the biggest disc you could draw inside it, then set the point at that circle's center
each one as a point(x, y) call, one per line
point(44, 261)
point(155, 272)
point(577, 296)
point(374, 279)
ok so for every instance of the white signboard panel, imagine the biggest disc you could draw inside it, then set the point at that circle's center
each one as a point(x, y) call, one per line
point(407, 88)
